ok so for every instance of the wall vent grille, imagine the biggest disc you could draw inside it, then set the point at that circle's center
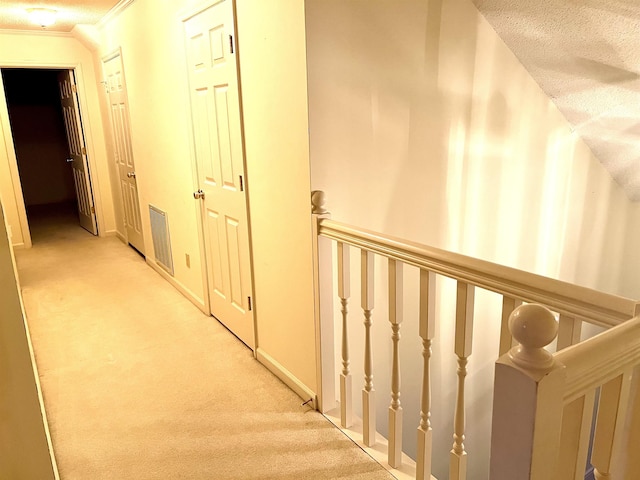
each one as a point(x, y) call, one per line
point(161, 240)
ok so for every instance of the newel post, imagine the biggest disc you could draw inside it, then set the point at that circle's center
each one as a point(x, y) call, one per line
point(323, 306)
point(528, 400)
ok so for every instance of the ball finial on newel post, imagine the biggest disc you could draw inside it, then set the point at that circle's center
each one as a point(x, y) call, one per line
point(534, 327)
point(318, 199)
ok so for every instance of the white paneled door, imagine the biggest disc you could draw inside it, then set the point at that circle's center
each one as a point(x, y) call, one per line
point(217, 135)
point(119, 114)
point(77, 150)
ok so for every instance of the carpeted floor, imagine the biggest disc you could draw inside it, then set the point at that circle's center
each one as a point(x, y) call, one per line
point(139, 384)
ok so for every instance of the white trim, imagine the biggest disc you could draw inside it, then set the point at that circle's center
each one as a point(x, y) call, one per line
point(12, 160)
point(115, 233)
point(114, 12)
point(187, 13)
point(39, 65)
point(287, 377)
point(13, 31)
point(192, 297)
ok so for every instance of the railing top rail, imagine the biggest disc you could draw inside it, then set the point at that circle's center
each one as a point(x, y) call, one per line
point(593, 362)
point(587, 304)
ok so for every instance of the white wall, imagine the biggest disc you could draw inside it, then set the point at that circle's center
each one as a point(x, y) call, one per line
point(23, 433)
point(149, 35)
point(425, 126)
point(271, 42)
point(52, 50)
point(271, 49)
point(630, 275)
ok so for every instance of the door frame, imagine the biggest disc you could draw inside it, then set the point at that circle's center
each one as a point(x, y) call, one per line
point(183, 16)
point(88, 138)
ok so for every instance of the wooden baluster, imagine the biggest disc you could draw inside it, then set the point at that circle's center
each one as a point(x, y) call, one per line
point(574, 440)
point(368, 392)
point(463, 341)
point(395, 409)
point(346, 411)
point(506, 340)
point(612, 412)
point(427, 333)
point(569, 331)
point(527, 400)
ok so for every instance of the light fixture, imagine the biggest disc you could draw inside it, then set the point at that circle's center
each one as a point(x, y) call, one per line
point(44, 17)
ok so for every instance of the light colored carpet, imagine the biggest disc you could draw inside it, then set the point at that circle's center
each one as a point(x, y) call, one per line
point(139, 384)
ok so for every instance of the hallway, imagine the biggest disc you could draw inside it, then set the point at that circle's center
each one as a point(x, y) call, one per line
point(139, 384)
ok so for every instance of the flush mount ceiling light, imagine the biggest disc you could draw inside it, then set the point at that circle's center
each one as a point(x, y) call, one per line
point(44, 17)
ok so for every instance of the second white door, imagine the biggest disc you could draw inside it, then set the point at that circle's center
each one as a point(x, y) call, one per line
point(119, 114)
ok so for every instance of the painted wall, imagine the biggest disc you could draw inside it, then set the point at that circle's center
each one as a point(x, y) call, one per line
point(40, 142)
point(630, 274)
point(271, 43)
point(425, 126)
point(57, 51)
point(23, 436)
point(276, 139)
point(155, 73)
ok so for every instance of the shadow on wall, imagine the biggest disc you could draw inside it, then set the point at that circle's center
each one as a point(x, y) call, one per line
point(425, 126)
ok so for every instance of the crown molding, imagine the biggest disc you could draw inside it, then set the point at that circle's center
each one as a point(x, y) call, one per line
point(114, 12)
point(41, 33)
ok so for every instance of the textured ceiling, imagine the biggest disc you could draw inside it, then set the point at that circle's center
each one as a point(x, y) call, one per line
point(585, 54)
point(69, 13)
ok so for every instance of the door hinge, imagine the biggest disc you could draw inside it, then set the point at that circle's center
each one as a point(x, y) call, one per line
point(250, 306)
point(241, 183)
point(74, 89)
point(93, 209)
point(231, 43)
point(84, 151)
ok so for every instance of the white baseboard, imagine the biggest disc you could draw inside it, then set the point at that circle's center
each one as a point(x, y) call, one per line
point(116, 233)
point(287, 377)
point(193, 298)
point(18, 246)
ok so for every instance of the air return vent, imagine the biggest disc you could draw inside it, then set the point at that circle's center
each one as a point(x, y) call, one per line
point(160, 235)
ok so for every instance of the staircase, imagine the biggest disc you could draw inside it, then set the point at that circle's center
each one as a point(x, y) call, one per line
point(565, 355)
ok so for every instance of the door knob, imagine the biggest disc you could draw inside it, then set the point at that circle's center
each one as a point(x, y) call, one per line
point(131, 174)
point(198, 194)
point(69, 160)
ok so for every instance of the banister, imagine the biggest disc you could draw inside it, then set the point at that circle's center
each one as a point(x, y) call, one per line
point(596, 307)
point(593, 362)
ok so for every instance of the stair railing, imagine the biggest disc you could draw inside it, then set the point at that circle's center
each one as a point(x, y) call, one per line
point(544, 404)
point(572, 303)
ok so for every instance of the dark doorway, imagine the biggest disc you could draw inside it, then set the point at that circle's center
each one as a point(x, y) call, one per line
point(40, 142)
